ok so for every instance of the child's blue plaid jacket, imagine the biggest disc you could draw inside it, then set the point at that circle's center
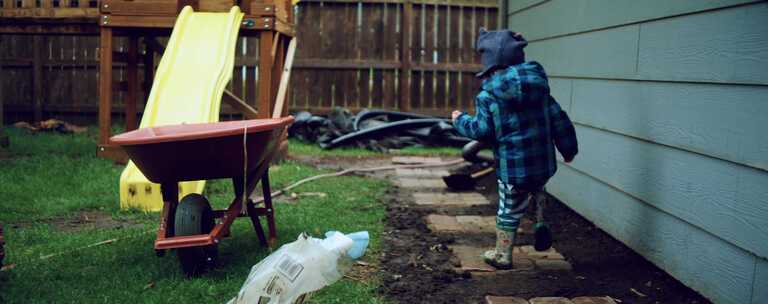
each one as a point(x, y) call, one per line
point(510, 115)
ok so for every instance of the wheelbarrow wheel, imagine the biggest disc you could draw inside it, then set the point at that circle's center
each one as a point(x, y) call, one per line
point(195, 216)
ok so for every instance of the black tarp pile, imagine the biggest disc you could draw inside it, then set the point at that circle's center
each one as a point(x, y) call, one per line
point(375, 129)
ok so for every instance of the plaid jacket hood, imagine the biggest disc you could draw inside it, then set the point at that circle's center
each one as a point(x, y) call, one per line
point(517, 115)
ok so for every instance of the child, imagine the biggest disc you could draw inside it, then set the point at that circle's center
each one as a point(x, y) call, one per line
point(523, 123)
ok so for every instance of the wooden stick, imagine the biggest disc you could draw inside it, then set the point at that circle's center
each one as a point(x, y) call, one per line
point(239, 104)
point(286, 77)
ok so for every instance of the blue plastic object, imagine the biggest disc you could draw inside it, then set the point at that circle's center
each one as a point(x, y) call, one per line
point(360, 243)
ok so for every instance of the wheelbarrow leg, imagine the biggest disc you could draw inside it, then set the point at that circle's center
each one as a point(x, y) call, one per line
point(250, 208)
point(253, 213)
point(170, 193)
point(267, 192)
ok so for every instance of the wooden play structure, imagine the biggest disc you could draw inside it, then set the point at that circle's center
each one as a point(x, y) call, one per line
point(144, 21)
point(199, 57)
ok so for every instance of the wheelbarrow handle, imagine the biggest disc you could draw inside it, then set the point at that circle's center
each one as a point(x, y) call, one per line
point(482, 173)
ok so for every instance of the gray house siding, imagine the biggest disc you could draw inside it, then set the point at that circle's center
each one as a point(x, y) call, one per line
point(670, 102)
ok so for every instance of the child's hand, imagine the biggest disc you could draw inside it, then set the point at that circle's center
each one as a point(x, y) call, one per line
point(455, 115)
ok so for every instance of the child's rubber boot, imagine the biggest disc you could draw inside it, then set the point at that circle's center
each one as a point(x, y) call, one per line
point(543, 237)
point(501, 256)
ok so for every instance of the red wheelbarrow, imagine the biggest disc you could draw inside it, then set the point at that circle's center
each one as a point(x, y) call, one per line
point(240, 150)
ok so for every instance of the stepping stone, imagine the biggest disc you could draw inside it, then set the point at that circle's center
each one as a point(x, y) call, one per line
point(593, 300)
point(549, 260)
point(439, 222)
point(461, 223)
point(549, 254)
point(412, 160)
point(412, 182)
point(550, 300)
point(421, 172)
point(504, 300)
point(475, 223)
point(552, 265)
point(471, 259)
point(449, 199)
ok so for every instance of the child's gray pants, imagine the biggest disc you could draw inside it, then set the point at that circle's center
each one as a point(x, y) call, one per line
point(513, 202)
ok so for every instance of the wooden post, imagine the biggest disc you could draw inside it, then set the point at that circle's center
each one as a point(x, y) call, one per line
point(133, 84)
point(277, 66)
point(37, 78)
point(105, 86)
point(264, 105)
point(245, 6)
point(405, 59)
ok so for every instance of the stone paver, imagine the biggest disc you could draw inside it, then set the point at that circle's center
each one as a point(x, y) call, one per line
point(476, 223)
point(504, 300)
point(449, 199)
point(438, 222)
point(410, 160)
point(412, 182)
point(487, 224)
point(550, 254)
point(421, 172)
point(593, 300)
point(461, 223)
point(552, 265)
point(550, 300)
point(471, 259)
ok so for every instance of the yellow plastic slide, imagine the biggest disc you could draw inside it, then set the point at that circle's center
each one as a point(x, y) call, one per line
point(192, 75)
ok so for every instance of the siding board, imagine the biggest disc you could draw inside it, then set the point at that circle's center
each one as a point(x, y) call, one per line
point(724, 199)
point(760, 287)
point(561, 90)
point(718, 270)
point(514, 6)
point(719, 120)
point(610, 53)
point(561, 17)
point(729, 45)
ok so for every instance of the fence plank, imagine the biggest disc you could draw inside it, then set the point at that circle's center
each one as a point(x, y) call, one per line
point(453, 90)
point(377, 90)
point(406, 55)
point(473, 3)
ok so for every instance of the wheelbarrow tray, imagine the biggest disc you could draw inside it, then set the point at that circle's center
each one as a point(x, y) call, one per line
point(202, 151)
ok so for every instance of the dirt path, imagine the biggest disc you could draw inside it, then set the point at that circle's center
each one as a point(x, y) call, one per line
point(434, 237)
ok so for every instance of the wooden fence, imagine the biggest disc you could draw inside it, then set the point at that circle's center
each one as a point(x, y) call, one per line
point(396, 54)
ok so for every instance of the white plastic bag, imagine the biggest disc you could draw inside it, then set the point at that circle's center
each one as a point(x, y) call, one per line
point(291, 273)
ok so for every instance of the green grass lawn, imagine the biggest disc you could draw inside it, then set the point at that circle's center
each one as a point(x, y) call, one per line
point(48, 178)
